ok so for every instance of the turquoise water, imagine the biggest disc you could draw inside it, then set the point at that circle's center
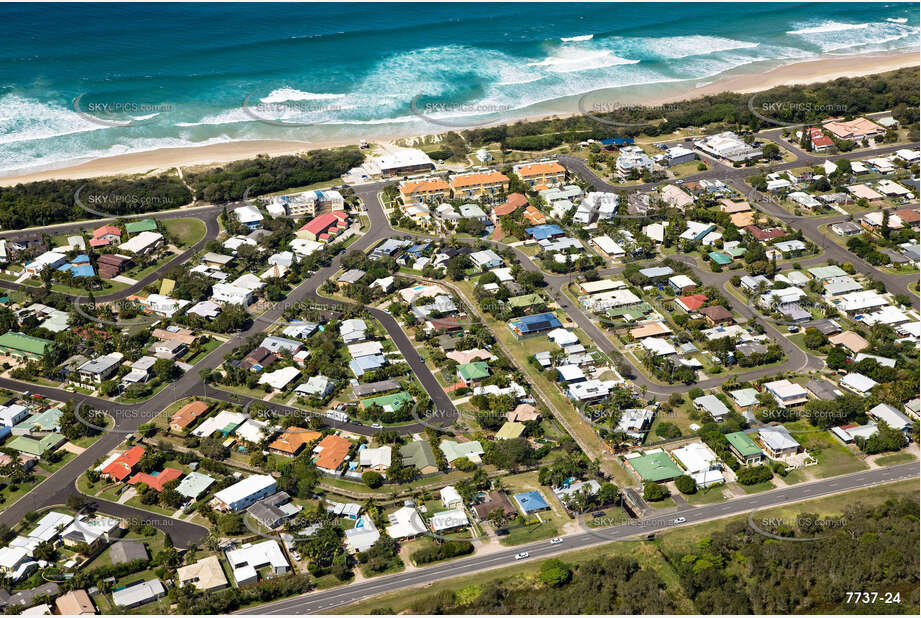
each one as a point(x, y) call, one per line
point(317, 72)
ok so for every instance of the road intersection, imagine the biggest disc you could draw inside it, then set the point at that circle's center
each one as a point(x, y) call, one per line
point(127, 419)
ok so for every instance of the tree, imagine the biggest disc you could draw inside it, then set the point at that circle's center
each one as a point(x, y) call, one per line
point(166, 369)
point(836, 359)
point(653, 492)
point(231, 524)
point(555, 572)
point(813, 338)
point(372, 479)
point(686, 484)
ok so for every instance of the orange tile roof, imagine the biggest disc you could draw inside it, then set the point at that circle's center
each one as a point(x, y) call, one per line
point(908, 215)
point(423, 184)
point(294, 439)
point(156, 482)
point(650, 330)
point(742, 219)
point(534, 216)
point(334, 451)
point(512, 203)
point(123, 466)
point(857, 126)
point(477, 178)
point(187, 414)
point(539, 169)
point(693, 302)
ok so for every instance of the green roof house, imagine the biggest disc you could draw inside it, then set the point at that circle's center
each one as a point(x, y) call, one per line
point(720, 258)
point(525, 300)
point(144, 225)
point(21, 345)
point(471, 373)
point(455, 450)
point(31, 446)
point(419, 454)
point(510, 431)
point(744, 448)
point(655, 467)
point(390, 403)
point(49, 420)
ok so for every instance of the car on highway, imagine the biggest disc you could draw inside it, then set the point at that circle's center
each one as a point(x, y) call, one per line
point(522, 555)
point(680, 520)
point(556, 541)
point(377, 426)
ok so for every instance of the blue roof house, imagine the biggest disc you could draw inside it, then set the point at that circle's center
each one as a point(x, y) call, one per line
point(529, 325)
point(364, 364)
point(542, 232)
point(79, 267)
point(531, 502)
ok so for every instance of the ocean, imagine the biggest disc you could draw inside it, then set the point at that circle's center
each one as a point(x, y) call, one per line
point(81, 81)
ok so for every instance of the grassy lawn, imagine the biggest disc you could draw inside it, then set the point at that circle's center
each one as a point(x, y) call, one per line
point(668, 502)
point(613, 515)
point(186, 231)
point(521, 350)
point(898, 458)
point(834, 458)
point(757, 487)
point(710, 495)
point(529, 534)
point(204, 351)
point(648, 554)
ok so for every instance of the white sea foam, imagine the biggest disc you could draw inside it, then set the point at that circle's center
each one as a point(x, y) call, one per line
point(828, 26)
point(676, 47)
point(282, 95)
point(898, 20)
point(573, 39)
point(23, 119)
point(569, 59)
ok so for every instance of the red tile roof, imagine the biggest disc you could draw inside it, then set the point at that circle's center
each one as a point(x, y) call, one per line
point(320, 224)
point(822, 141)
point(693, 302)
point(768, 234)
point(156, 482)
point(512, 203)
point(124, 465)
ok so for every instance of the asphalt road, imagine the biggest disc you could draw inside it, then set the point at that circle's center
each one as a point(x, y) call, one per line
point(323, 601)
point(129, 418)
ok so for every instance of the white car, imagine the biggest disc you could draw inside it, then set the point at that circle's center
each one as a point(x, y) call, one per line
point(681, 520)
point(556, 541)
point(522, 555)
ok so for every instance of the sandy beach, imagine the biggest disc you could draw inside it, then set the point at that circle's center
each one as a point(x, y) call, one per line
point(797, 73)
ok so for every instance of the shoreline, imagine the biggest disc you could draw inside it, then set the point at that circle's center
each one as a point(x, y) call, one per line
point(797, 73)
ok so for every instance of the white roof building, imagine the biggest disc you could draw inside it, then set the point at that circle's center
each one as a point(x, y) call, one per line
point(450, 497)
point(447, 520)
point(363, 536)
point(222, 419)
point(858, 383)
point(280, 378)
point(608, 246)
point(142, 243)
point(700, 463)
point(246, 492)
point(247, 215)
point(375, 457)
point(892, 417)
point(658, 347)
point(245, 561)
point(405, 523)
